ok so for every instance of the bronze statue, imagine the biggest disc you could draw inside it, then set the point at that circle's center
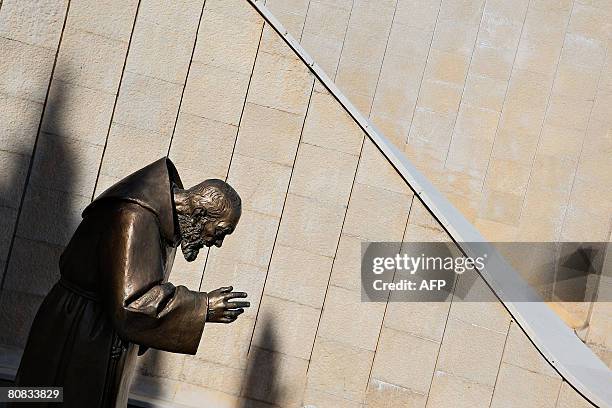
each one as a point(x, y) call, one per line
point(113, 295)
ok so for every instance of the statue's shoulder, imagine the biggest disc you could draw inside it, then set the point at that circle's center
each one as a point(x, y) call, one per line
point(124, 211)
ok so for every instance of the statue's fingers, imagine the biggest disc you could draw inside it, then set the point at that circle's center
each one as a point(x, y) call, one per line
point(226, 319)
point(233, 313)
point(236, 295)
point(236, 305)
point(227, 289)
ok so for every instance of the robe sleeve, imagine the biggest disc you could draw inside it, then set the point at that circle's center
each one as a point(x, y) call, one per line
point(143, 309)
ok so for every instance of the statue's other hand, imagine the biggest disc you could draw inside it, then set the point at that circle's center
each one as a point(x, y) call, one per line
point(221, 309)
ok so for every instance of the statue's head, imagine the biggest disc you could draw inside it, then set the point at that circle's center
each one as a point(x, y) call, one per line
point(206, 213)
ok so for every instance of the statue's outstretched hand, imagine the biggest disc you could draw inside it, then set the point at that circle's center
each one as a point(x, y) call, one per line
point(220, 309)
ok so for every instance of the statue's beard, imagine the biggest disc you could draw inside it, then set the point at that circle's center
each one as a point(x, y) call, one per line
point(191, 237)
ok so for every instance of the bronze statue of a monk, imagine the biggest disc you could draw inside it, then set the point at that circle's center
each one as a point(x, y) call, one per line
point(114, 296)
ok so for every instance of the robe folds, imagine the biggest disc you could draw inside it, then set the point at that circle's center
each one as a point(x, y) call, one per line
point(114, 296)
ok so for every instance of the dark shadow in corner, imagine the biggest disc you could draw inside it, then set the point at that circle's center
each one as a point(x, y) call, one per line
point(261, 381)
point(43, 214)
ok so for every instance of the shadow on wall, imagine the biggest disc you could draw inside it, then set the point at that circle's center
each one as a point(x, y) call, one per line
point(261, 381)
point(46, 217)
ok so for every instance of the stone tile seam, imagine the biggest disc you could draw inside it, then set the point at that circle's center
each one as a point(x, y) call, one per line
point(33, 153)
point(501, 357)
point(111, 120)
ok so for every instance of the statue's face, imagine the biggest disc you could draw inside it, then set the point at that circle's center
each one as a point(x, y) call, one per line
point(199, 231)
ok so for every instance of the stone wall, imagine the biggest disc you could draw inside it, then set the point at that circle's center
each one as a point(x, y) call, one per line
point(501, 105)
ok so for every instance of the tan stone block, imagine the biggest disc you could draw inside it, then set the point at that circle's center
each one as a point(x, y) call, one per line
point(417, 13)
point(416, 233)
point(156, 363)
point(562, 143)
point(317, 398)
point(552, 173)
point(427, 319)
point(326, 52)
point(552, 5)
point(160, 53)
point(500, 30)
point(272, 43)
point(569, 113)
point(496, 231)
point(264, 193)
point(129, 149)
point(397, 89)
point(202, 148)
point(456, 38)
point(485, 92)
point(14, 169)
point(358, 78)
point(501, 206)
point(471, 352)
point(280, 83)
point(178, 17)
point(212, 47)
point(439, 97)
point(198, 372)
point(432, 128)
point(346, 272)
point(275, 378)
point(409, 42)
point(33, 267)
point(215, 93)
point(447, 67)
point(492, 62)
point(19, 119)
point(539, 55)
point(66, 164)
point(190, 395)
point(375, 170)
point(292, 12)
point(384, 395)
point(252, 241)
point(420, 215)
point(188, 274)
point(328, 19)
point(299, 276)
point(308, 221)
point(477, 122)
point(522, 353)
point(512, 13)
point(576, 81)
point(582, 50)
point(405, 360)
point(515, 145)
point(475, 303)
point(269, 134)
point(154, 387)
point(78, 112)
point(25, 70)
point(507, 176)
point(339, 369)
point(50, 215)
point(346, 318)
point(104, 182)
point(395, 129)
point(235, 8)
point(583, 225)
point(569, 398)
point(225, 348)
point(148, 103)
point(37, 23)
point(286, 327)
point(90, 60)
point(528, 90)
point(323, 174)
point(466, 12)
point(328, 125)
point(451, 391)
point(109, 18)
point(386, 223)
point(469, 155)
point(517, 387)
